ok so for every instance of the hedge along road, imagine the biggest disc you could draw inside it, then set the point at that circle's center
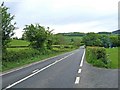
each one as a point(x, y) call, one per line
point(57, 72)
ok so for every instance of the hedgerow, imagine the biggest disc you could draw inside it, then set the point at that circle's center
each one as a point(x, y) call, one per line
point(97, 57)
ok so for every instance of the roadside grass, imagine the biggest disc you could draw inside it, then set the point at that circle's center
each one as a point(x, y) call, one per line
point(113, 56)
point(22, 62)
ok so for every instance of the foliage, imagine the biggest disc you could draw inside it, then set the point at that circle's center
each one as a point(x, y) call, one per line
point(17, 55)
point(37, 35)
point(59, 40)
point(102, 40)
point(92, 39)
point(7, 26)
point(49, 40)
point(105, 40)
point(97, 56)
point(114, 41)
point(76, 42)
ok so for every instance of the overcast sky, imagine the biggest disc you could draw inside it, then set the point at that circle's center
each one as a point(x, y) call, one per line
point(66, 15)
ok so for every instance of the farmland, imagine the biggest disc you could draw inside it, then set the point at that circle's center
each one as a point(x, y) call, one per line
point(19, 43)
point(113, 56)
point(19, 53)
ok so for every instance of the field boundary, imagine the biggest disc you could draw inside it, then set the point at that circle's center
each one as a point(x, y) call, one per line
point(27, 65)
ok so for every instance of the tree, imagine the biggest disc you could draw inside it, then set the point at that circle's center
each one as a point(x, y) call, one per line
point(49, 40)
point(105, 40)
point(114, 41)
point(77, 42)
point(59, 39)
point(7, 26)
point(92, 39)
point(37, 35)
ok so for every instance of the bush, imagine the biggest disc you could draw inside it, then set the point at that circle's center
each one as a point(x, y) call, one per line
point(97, 57)
point(17, 55)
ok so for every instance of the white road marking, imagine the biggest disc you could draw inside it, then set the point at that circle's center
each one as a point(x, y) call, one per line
point(77, 80)
point(79, 71)
point(81, 64)
point(36, 72)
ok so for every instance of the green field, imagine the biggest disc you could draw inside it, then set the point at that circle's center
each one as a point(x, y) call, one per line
point(113, 56)
point(73, 37)
point(18, 56)
point(19, 43)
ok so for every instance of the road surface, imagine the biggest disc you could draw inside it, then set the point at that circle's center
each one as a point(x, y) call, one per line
point(57, 72)
point(69, 70)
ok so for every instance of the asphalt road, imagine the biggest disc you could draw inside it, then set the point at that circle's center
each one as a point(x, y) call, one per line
point(57, 72)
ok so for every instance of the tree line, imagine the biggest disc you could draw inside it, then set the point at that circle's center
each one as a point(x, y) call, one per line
point(102, 40)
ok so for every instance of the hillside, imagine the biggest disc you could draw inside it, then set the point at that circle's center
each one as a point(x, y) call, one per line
point(116, 32)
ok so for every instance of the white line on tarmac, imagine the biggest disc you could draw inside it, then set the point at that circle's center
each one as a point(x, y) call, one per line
point(36, 72)
point(77, 80)
point(79, 71)
point(81, 64)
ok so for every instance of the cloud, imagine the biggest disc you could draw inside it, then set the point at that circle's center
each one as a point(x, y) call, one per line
point(63, 15)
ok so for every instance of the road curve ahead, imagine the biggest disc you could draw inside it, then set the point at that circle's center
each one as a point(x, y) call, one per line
point(57, 72)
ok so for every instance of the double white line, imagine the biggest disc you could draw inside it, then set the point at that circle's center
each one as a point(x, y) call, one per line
point(77, 80)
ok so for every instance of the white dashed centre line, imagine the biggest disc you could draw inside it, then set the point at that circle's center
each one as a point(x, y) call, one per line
point(79, 71)
point(77, 80)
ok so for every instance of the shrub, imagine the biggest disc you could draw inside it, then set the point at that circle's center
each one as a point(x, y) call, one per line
point(97, 57)
point(16, 56)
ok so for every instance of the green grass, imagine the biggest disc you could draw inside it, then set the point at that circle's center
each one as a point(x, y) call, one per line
point(22, 62)
point(16, 49)
point(73, 37)
point(19, 43)
point(113, 56)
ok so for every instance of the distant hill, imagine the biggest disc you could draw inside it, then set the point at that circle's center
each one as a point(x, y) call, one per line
point(116, 32)
point(113, 32)
point(83, 34)
point(104, 32)
point(72, 34)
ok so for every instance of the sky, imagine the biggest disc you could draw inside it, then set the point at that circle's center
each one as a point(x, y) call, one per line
point(65, 15)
